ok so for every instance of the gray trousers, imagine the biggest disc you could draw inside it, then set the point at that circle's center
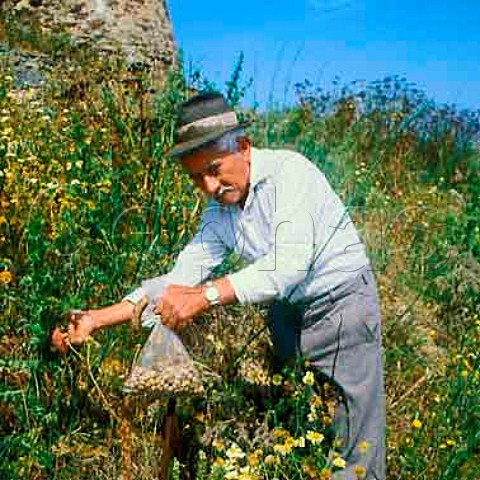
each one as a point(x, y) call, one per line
point(340, 334)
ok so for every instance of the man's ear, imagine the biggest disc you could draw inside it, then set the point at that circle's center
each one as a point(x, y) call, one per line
point(244, 144)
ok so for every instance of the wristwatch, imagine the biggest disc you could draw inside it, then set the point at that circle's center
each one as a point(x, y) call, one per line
point(211, 293)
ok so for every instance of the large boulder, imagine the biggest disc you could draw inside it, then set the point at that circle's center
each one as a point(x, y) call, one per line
point(140, 29)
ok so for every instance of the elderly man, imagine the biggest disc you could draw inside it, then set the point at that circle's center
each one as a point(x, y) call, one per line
point(276, 210)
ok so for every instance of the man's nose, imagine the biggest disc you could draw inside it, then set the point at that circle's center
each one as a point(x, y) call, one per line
point(210, 185)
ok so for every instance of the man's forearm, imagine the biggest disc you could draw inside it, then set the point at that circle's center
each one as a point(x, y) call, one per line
point(112, 315)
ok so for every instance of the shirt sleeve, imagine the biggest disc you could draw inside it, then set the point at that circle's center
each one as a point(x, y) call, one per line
point(286, 264)
point(194, 264)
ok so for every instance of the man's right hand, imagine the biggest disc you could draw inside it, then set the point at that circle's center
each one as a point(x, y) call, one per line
point(80, 326)
point(82, 323)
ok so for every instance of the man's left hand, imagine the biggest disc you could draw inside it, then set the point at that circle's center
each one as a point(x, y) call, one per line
point(180, 304)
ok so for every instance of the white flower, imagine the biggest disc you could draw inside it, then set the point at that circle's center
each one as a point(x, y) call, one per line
point(235, 452)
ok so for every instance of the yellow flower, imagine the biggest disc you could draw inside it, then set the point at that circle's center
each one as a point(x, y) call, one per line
point(219, 462)
point(235, 452)
point(327, 420)
point(309, 378)
point(5, 277)
point(246, 473)
point(450, 442)
point(112, 366)
point(218, 444)
point(284, 449)
point(200, 417)
point(338, 443)
point(360, 471)
point(300, 442)
point(363, 446)
point(339, 462)
point(280, 433)
point(2, 219)
point(314, 437)
point(290, 441)
point(277, 379)
point(467, 364)
point(232, 475)
point(325, 474)
point(270, 460)
point(416, 423)
point(309, 471)
point(253, 459)
point(312, 416)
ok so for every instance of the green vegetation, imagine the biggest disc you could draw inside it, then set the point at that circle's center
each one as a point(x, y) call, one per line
point(89, 206)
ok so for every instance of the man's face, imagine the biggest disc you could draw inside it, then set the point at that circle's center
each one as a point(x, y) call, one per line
point(222, 176)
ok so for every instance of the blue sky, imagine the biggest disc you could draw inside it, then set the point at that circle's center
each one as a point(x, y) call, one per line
point(434, 44)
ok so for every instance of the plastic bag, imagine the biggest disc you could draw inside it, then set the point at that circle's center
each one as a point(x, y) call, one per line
point(164, 367)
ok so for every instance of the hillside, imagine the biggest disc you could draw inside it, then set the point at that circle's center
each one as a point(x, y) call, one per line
point(90, 206)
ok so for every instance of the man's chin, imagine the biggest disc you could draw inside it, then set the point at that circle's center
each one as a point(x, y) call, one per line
point(229, 198)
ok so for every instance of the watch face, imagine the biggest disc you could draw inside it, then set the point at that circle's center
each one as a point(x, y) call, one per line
point(211, 294)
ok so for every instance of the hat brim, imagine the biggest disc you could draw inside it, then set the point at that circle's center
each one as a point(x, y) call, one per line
point(185, 147)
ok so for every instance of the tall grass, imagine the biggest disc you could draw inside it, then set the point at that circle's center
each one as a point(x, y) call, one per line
point(90, 206)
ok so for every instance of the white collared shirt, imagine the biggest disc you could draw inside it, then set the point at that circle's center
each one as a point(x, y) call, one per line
point(293, 231)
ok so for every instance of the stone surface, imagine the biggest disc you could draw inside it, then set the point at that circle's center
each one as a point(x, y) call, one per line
point(140, 29)
point(28, 69)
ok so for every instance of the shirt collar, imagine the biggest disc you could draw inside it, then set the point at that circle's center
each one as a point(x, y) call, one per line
point(258, 173)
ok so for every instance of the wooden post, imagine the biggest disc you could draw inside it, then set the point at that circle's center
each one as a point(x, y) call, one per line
point(125, 432)
point(171, 437)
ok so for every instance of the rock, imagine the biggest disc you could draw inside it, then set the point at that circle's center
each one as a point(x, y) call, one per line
point(142, 29)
